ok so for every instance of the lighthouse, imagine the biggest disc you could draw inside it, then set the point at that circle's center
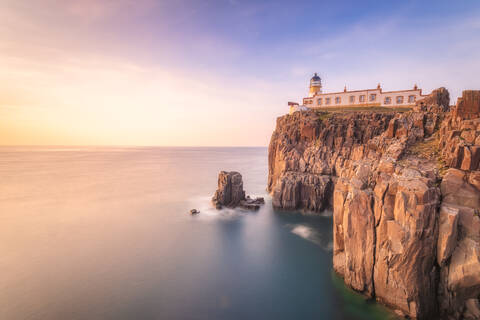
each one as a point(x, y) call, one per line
point(315, 85)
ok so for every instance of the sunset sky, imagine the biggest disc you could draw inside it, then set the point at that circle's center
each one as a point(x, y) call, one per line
point(212, 73)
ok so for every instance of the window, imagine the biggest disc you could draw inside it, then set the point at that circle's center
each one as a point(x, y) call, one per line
point(411, 99)
point(373, 97)
point(308, 101)
point(388, 100)
point(327, 100)
point(338, 100)
point(319, 101)
point(352, 99)
point(362, 98)
point(399, 100)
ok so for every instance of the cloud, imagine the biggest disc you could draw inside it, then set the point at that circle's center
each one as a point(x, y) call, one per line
point(94, 10)
point(99, 100)
point(183, 73)
point(396, 51)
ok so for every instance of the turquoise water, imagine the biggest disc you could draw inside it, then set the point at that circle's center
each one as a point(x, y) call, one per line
point(105, 233)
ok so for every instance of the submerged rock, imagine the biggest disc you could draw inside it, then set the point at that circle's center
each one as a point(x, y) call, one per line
point(251, 204)
point(230, 193)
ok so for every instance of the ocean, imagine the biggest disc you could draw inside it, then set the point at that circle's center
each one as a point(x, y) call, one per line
point(106, 233)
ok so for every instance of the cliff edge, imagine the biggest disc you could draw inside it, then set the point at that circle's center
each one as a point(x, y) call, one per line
point(405, 193)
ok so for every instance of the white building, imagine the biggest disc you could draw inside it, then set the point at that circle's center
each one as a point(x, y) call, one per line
point(294, 107)
point(359, 98)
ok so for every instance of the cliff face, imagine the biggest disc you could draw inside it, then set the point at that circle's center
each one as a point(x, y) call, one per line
point(458, 249)
point(398, 236)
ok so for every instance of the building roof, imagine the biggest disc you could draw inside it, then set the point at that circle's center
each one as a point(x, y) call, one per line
point(369, 90)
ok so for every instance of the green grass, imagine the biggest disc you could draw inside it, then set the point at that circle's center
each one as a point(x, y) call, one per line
point(428, 149)
point(324, 115)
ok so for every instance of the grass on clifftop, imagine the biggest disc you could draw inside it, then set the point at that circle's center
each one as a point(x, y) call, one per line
point(428, 149)
point(324, 115)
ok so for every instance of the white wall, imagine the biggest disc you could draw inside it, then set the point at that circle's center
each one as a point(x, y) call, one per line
point(379, 101)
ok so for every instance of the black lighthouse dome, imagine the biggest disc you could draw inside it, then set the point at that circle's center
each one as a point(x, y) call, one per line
point(315, 78)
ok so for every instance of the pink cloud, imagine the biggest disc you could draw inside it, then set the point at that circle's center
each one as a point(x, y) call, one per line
point(92, 10)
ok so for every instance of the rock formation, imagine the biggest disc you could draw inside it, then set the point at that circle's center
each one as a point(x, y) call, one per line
point(458, 248)
point(230, 193)
point(405, 192)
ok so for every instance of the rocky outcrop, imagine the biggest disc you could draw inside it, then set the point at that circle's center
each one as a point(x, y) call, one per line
point(405, 233)
point(354, 227)
point(460, 133)
point(384, 236)
point(406, 227)
point(230, 193)
point(230, 189)
point(305, 152)
point(458, 248)
point(437, 101)
point(303, 191)
point(468, 105)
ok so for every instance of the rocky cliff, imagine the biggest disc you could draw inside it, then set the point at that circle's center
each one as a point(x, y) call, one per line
point(405, 193)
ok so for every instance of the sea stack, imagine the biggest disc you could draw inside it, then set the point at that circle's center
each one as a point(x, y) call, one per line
point(230, 193)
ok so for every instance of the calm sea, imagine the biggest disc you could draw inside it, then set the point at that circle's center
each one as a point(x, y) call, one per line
point(105, 233)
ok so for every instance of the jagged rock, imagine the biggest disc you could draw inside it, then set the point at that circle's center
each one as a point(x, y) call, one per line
point(355, 238)
point(304, 143)
point(460, 276)
point(474, 179)
point(460, 133)
point(302, 191)
point(456, 190)
point(468, 106)
point(404, 273)
point(230, 193)
point(383, 239)
point(230, 189)
point(437, 101)
point(447, 233)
